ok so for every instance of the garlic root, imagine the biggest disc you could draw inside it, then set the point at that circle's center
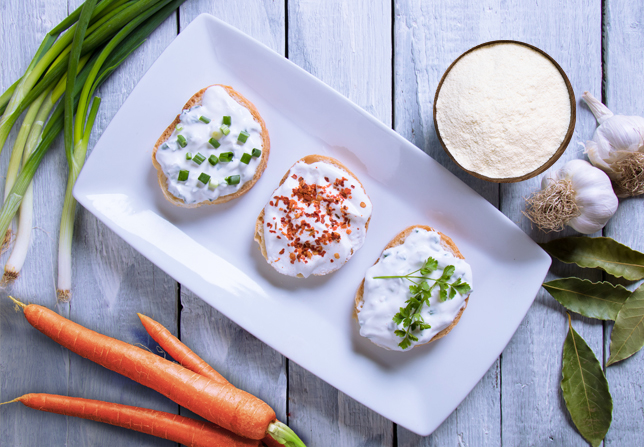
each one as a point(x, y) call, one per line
point(552, 208)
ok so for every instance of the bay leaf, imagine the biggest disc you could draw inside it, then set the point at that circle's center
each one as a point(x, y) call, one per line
point(585, 389)
point(601, 300)
point(598, 252)
point(627, 336)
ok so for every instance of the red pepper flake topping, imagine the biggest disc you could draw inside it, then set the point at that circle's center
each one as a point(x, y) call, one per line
point(281, 251)
point(308, 204)
point(363, 205)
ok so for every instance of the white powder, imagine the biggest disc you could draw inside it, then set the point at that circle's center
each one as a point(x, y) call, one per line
point(503, 110)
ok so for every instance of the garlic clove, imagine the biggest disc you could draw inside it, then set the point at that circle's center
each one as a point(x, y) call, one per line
point(601, 112)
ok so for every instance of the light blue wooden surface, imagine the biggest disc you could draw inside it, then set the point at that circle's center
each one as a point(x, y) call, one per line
point(388, 58)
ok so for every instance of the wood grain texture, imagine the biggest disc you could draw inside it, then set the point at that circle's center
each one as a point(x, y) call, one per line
point(427, 38)
point(348, 46)
point(533, 410)
point(624, 74)
point(29, 361)
point(112, 281)
point(241, 358)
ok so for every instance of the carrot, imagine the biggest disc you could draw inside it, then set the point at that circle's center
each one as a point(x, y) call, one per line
point(186, 431)
point(187, 358)
point(178, 351)
point(220, 403)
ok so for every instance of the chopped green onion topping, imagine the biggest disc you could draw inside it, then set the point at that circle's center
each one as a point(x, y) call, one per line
point(204, 119)
point(233, 179)
point(216, 134)
point(224, 129)
point(214, 142)
point(179, 127)
point(213, 160)
point(182, 140)
point(212, 185)
point(188, 156)
point(243, 136)
point(256, 152)
point(245, 158)
point(226, 156)
point(204, 178)
point(227, 120)
point(198, 158)
point(183, 175)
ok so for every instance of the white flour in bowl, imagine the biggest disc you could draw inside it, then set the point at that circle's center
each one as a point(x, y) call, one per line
point(503, 110)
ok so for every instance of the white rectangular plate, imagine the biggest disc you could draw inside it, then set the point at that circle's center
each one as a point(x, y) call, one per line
point(211, 250)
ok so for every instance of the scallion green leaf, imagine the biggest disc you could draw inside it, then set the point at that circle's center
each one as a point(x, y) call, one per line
point(183, 175)
point(233, 179)
point(245, 158)
point(213, 160)
point(256, 152)
point(224, 129)
point(243, 136)
point(226, 156)
point(188, 155)
point(227, 120)
point(182, 141)
point(204, 178)
point(212, 185)
point(214, 143)
point(198, 158)
point(204, 119)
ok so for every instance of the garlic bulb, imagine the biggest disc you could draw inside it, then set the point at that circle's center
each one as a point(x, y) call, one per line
point(617, 148)
point(578, 195)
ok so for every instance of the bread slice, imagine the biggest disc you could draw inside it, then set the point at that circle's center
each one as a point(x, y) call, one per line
point(399, 239)
point(196, 100)
point(309, 159)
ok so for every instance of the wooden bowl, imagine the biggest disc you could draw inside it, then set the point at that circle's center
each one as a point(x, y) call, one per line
point(564, 143)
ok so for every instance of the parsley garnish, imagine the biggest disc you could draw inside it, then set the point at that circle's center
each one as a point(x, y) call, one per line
point(421, 292)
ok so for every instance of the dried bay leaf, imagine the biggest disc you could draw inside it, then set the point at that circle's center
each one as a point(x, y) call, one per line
point(585, 389)
point(601, 300)
point(627, 336)
point(598, 252)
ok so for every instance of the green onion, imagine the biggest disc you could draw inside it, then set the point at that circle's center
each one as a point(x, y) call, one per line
point(243, 136)
point(212, 185)
point(198, 158)
point(256, 152)
point(188, 155)
point(216, 134)
point(178, 127)
point(183, 175)
point(233, 179)
point(214, 142)
point(213, 160)
point(224, 129)
point(204, 178)
point(204, 119)
point(245, 158)
point(226, 156)
point(227, 120)
point(182, 140)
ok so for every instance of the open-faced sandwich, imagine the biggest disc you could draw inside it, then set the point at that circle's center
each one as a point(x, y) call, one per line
point(416, 291)
point(315, 220)
point(214, 151)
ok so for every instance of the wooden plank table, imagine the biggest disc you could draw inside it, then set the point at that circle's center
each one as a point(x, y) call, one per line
point(387, 56)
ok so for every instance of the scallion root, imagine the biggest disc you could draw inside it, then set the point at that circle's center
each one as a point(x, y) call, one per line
point(6, 242)
point(64, 295)
point(9, 277)
point(553, 207)
point(631, 175)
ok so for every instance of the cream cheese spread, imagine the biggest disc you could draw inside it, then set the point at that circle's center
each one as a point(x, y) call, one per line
point(383, 298)
point(316, 220)
point(215, 149)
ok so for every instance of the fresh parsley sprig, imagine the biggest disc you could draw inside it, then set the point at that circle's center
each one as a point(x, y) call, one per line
point(421, 292)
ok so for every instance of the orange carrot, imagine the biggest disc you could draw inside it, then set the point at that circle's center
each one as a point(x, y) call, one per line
point(186, 431)
point(178, 351)
point(220, 403)
point(187, 358)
